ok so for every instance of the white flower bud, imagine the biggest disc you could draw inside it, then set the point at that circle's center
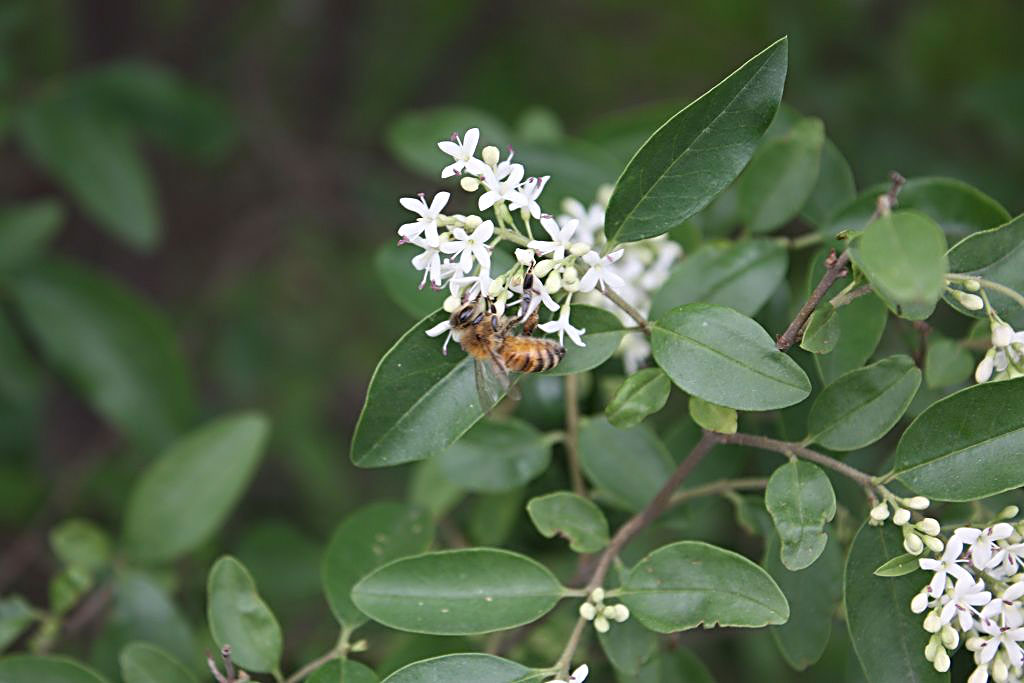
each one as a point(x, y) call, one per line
point(972, 302)
point(361, 645)
point(597, 595)
point(913, 544)
point(980, 675)
point(929, 525)
point(524, 256)
point(950, 637)
point(601, 624)
point(450, 304)
point(588, 611)
point(490, 155)
point(473, 222)
point(934, 544)
point(974, 644)
point(553, 283)
point(901, 516)
point(469, 183)
point(917, 503)
point(1002, 334)
point(1000, 672)
point(579, 248)
point(1009, 512)
point(983, 372)
point(972, 285)
point(919, 603)
point(543, 268)
point(571, 287)
point(932, 648)
point(932, 623)
point(941, 662)
point(570, 274)
point(604, 194)
point(497, 285)
point(621, 613)
point(880, 512)
point(609, 611)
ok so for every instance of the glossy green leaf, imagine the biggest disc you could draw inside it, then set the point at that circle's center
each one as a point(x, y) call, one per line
point(676, 666)
point(146, 663)
point(496, 455)
point(117, 351)
point(431, 490)
point(572, 517)
point(901, 565)
point(642, 394)
point(862, 406)
point(628, 646)
point(813, 594)
point(477, 668)
point(967, 445)
point(413, 137)
point(903, 256)
point(16, 615)
point(741, 275)
point(861, 323)
point(781, 176)
point(96, 159)
point(493, 516)
point(26, 230)
point(347, 671)
point(627, 466)
point(238, 617)
point(80, 543)
point(686, 584)
point(402, 282)
point(801, 502)
point(835, 187)
point(822, 332)
point(712, 417)
point(959, 208)
point(698, 152)
point(368, 538)
point(946, 363)
point(458, 592)
point(419, 401)
point(886, 635)
point(186, 494)
point(46, 669)
point(604, 332)
point(726, 358)
point(996, 255)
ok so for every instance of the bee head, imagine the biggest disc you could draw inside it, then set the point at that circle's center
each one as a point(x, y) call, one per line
point(468, 314)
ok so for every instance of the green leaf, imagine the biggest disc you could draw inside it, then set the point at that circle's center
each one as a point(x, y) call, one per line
point(801, 501)
point(468, 667)
point(862, 406)
point(959, 208)
point(21, 379)
point(604, 332)
point(967, 445)
point(146, 663)
point(46, 669)
point(676, 666)
point(886, 635)
point(82, 544)
point(458, 592)
point(822, 332)
point(628, 646)
point(496, 455)
point(861, 323)
point(698, 152)
point(419, 401)
point(781, 176)
point(628, 466)
point(682, 585)
point(946, 363)
point(346, 671)
point(571, 516)
point(26, 231)
point(643, 393)
point(903, 256)
point(413, 137)
point(835, 187)
point(740, 275)
point(67, 588)
point(402, 282)
point(997, 255)
point(95, 158)
point(116, 350)
point(16, 615)
point(726, 358)
point(712, 417)
point(238, 617)
point(901, 565)
point(813, 594)
point(186, 494)
point(368, 538)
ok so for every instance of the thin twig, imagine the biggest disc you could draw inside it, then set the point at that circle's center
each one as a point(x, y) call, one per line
point(717, 487)
point(305, 671)
point(572, 433)
point(229, 667)
point(798, 450)
point(844, 298)
point(628, 308)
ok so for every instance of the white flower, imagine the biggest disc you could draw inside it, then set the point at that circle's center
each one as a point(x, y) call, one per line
point(471, 246)
point(429, 261)
point(946, 565)
point(591, 220)
point(1008, 639)
point(983, 372)
point(529, 192)
point(1010, 353)
point(967, 595)
point(462, 151)
point(427, 221)
point(439, 329)
point(472, 286)
point(984, 551)
point(561, 237)
point(601, 274)
point(1002, 334)
point(498, 189)
point(562, 326)
point(578, 676)
point(1005, 611)
point(537, 295)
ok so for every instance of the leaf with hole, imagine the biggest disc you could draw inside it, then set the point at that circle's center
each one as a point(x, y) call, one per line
point(571, 516)
point(238, 617)
point(801, 501)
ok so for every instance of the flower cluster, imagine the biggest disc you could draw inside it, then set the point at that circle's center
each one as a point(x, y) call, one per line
point(595, 610)
point(557, 257)
point(1005, 359)
point(974, 597)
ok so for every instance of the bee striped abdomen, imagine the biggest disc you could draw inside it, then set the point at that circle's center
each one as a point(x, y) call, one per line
point(525, 354)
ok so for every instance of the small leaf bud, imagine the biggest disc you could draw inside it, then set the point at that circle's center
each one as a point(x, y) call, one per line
point(524, 256)
point(601, 624)
point(579, 248)
point(919, 603)
point(929, 525)
point(588, 611)
point(450, 304)
point(490, 155)
point(917, 503)
point(950, 637)
point(913, 544)
point(901, 516)
point(972, 302)
point(932, 623)
point(934, 544)
point(880, 512)
point(553, 283)
point(543, 268)
point(1002, 334)
point(469, 183)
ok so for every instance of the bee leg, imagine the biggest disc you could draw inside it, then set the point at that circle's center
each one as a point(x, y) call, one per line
point(494, 322)
point(531, 323)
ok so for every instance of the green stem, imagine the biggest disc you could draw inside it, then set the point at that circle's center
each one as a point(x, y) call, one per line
point(572, 433)
point(809, 239)
point(850, 293)
point(719, 487)
point(636, 315)
point(511, 235)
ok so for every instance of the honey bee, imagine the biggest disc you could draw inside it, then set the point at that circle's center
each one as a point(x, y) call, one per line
point(488, 338)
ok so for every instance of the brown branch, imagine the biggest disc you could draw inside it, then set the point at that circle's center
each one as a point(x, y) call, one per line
point(717, 487)
point(572, 433)
point(798, 450)
point(844, 298)
point(636, 315)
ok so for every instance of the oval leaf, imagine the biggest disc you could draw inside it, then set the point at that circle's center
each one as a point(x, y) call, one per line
point(26, 230)
point(967, 445)
point(604, 332)
point(48, 669)
point(571, 516)
point(16, 615)
point(643, 393)
point(496, 456)
point(711, 417)
point(346, 671)
point(947, 363)
point(901, 565)
point(458, 592)
point(187, 493)
point(726, 358)
point(629, 646)
point(861, 323)
point(822, 332)
point(628, 466)
point(685, 584)
point(368, 538)
point(698, 152)
point(835, 187)
point(801, 501)
point(997, 255)
point(469, 667)
point(238, 617)
point(146, 663)
point(862, 406)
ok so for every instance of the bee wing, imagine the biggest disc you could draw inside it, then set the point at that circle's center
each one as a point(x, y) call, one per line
point(492, 381)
